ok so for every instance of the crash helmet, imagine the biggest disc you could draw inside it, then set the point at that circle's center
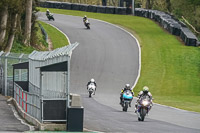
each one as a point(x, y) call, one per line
point(85, 16)
point(145, 89)
point(92, 80)
point(127, 86)
point(47, 10)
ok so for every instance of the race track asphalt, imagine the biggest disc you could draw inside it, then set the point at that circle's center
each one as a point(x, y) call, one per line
point(8, 121)
point(111, 56)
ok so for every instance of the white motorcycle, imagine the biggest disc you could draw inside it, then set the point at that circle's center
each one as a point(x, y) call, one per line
point(87, 24)
point(91, 89)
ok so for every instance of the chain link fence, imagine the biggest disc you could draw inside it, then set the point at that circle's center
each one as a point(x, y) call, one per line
point(6, 71)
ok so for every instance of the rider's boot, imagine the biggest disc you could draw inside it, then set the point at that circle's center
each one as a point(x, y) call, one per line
point(120, 102)
point(135, 108)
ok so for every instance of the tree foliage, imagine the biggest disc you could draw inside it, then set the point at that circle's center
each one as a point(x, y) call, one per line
point(16, 12)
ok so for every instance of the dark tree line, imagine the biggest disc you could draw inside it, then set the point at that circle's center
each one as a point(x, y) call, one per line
point(17, 20)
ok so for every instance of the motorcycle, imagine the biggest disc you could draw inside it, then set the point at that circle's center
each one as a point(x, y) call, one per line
point(144, 105)
point(50, 17)
point(91, 89)
point(87, 24)
point(126, 99)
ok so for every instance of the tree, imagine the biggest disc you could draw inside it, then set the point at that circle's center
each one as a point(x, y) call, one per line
point(147, 4)
point(27, 33)
point(11, 35)
point(3, 24)
point(168, 6)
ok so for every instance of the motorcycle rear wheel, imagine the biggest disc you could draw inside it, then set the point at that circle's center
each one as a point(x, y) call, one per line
point(125, 108)
point(90, 94)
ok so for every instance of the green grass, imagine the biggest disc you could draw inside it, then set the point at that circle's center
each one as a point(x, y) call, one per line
point(19, 48)
point(41, 38)
point(58, 39)
point(170, 69)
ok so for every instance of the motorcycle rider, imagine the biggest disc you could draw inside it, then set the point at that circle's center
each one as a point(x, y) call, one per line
point(127, 87)
point(84, 18)
point(142, 93)
point(92, 81)
point(47, 12)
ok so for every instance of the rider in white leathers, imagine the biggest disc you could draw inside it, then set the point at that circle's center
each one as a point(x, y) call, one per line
point(92, 81)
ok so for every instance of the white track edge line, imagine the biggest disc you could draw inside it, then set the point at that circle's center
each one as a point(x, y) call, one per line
point(31, 128)
point(60, 31)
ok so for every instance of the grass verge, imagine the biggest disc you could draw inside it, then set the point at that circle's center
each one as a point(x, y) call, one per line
point(58, 39)
point(170, 69)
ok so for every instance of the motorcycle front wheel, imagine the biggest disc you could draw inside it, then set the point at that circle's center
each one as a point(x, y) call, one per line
point(143, 113)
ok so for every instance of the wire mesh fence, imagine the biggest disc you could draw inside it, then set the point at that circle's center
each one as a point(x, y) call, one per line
point(6, 71)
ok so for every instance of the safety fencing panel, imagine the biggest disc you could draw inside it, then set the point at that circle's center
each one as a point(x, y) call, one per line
point(54, 110)
point(29, 102)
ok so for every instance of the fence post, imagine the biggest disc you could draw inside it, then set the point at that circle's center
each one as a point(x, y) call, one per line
point(22, 100)
point(26, 102)
point(6, 74)
point(19, 97)
point(20, 71)
point(1, 78)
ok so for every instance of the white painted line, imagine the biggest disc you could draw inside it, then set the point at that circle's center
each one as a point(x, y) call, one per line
point(60, 31)
point(31, 128)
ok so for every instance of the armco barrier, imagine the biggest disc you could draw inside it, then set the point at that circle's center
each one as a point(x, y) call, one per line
point(120, 10)
point(92, 8)
point(83, 7)
point(53, 4)
point(101, 9)
point(75, 6)
point(174, 29)
point(66, 5)
point(188, 37)
point(169, 23)
point(110, 9)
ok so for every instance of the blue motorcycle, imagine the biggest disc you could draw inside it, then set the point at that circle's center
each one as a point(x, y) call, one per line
point(126, 99)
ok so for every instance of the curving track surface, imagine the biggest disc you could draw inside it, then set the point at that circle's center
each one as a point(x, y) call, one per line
point(111, 56)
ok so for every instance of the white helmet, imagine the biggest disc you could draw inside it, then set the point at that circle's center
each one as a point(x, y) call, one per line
point(145, 89)
point(127, 86)
point(47, 10)
point(92, 80)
